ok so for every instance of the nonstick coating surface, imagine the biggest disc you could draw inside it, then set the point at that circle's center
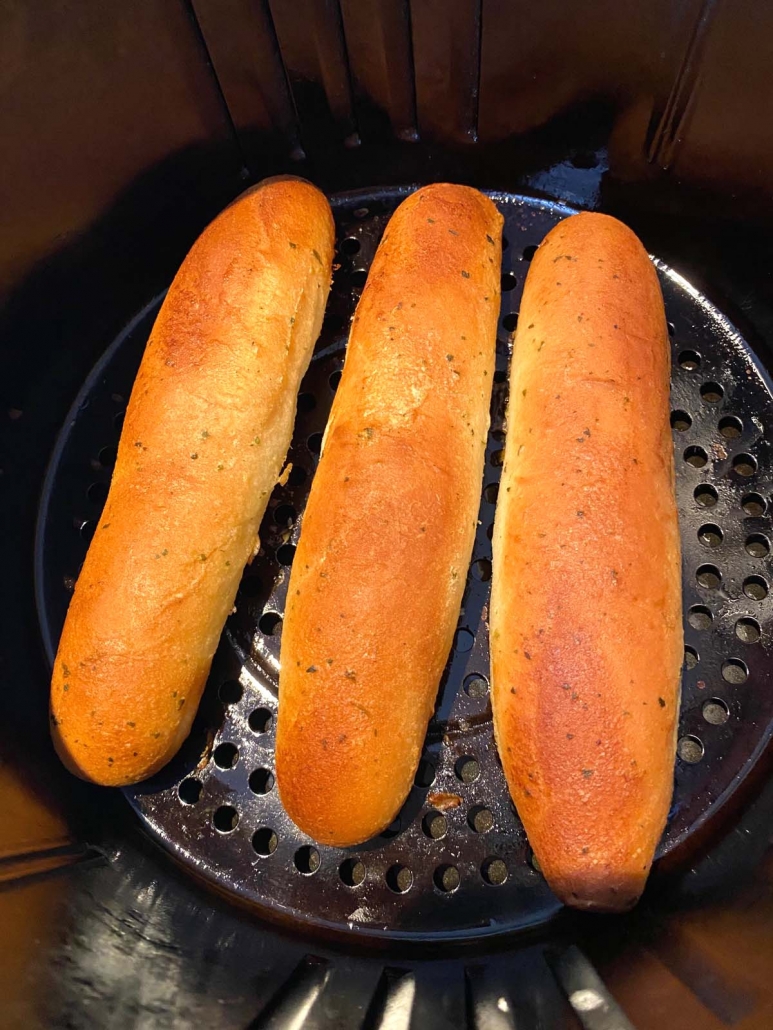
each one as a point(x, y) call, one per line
point(456, 864)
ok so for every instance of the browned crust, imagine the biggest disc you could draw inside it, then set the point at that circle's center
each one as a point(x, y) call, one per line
point(205, 435)
point(586, 604)
point(377, 580)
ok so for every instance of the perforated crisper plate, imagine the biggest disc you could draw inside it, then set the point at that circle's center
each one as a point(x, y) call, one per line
point(456, 863)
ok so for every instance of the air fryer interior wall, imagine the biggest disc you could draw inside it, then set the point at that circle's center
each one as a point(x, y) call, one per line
point(125, 130)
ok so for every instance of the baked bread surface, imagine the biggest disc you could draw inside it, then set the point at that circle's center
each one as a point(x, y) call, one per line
point(386, 538)
point(205, 436)
point(586, 616)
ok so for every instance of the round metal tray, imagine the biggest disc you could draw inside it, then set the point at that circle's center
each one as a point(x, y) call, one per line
point(456, 863)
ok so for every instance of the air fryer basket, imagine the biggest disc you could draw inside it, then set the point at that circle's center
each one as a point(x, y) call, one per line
point(125, 131)
point(458, 834)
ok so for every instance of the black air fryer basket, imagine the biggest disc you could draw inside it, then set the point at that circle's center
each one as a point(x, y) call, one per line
point(192, 900)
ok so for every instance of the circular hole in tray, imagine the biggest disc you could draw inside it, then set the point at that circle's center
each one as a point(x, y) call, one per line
point(476, 685)
point(755, 587)
point(285, 515)
point(699, 617)
point(735, 671)
point(696, 456)
point(107, 457)
point(705, 495)
point(467, 769)
point(189, 791)
point(306, 860)
point(225, 819)
point(270, 624)
point(86, 529)
point(285, 554)
point(230, 692)
point(446, 878)
point(481, 570)
point(715, 711)
point(97, 493)
point(708, 576)
point(745, 465)
point(712, 393)
point(710, 535)
point(260, 720)
point(754, 505)
point(494, 871)
point(226, 755)
point(352, 872)
point(689, 360)
point(261, 781)
point(399, 879)
point(463, 641)
point(730, 427)
point(425, 774)
point(435, 825)
point(480, 818)
point(690, 749)
point(350, 246)
point(264, 841)
point(680, 421)
point(748, 630)
point(757, 545)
